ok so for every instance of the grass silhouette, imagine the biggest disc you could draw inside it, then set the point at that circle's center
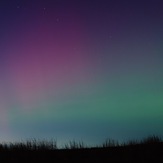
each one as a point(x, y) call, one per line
point(149, 149)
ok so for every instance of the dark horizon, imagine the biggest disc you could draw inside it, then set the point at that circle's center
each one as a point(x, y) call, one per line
point(146, 150)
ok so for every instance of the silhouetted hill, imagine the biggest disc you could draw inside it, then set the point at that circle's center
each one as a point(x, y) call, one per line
point(148, 150)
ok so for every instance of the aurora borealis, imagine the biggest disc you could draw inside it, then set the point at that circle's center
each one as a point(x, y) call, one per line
point(84, 70)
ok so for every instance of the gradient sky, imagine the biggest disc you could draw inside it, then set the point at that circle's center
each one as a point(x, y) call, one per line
point(81, 69)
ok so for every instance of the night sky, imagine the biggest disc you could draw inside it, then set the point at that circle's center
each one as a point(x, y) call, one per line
point(81, 69)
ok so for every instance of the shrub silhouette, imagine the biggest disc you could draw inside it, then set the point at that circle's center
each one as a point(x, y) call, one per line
point(152, 140)
point(110, 143)
point(75, 145)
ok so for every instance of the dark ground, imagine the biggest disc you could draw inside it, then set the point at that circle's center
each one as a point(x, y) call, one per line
point(131, 153)
point(139, 154)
